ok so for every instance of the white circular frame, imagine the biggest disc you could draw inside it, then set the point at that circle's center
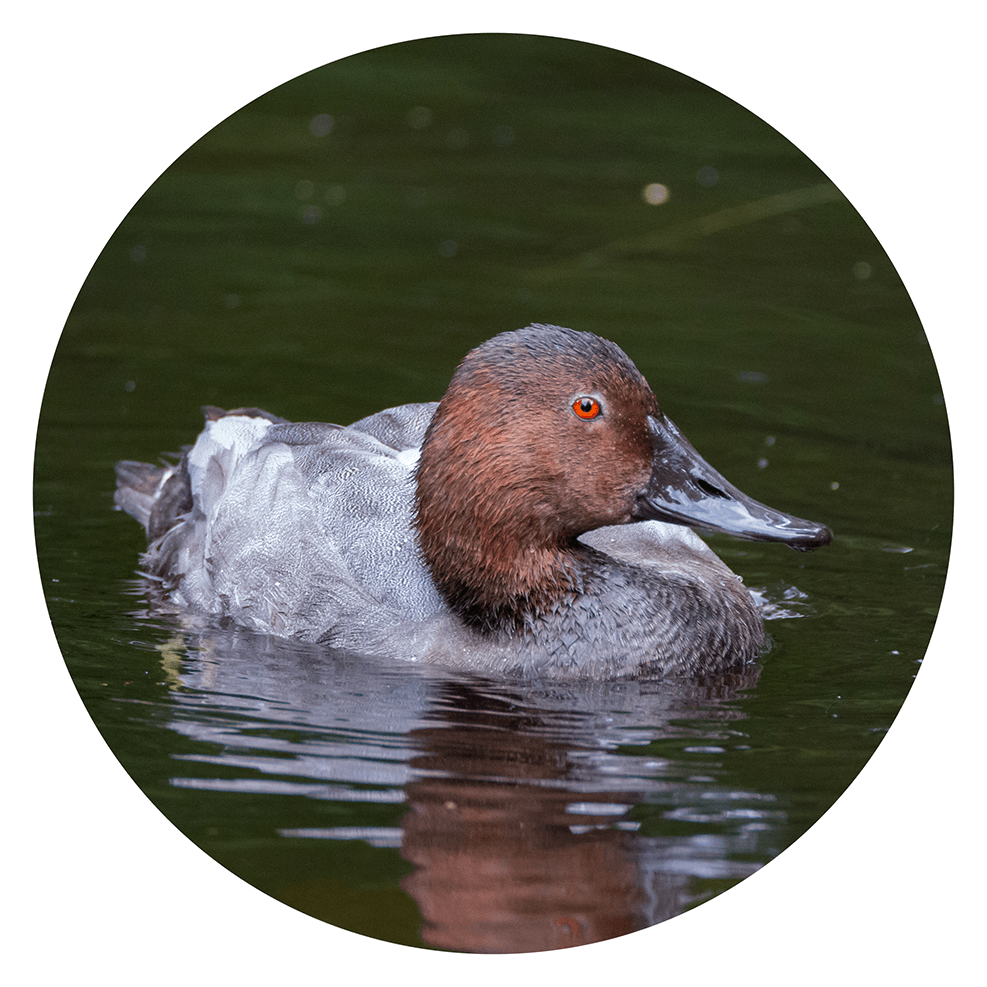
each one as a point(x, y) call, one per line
point(73, 268)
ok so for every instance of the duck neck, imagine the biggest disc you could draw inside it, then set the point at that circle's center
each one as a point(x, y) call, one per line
point(498, 582)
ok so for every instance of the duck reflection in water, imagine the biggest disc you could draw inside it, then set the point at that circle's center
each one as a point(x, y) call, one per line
point(511, 852)
point(524, 806)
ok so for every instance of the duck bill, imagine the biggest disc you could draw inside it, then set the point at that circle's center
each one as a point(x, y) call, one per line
point(685, 489)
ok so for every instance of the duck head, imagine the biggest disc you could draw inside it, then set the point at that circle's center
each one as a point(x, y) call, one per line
point(544, 434)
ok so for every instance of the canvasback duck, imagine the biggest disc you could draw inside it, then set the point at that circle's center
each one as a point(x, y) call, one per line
point(534, 521)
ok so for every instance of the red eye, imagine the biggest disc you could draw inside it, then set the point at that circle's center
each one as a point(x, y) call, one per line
point(586, 408)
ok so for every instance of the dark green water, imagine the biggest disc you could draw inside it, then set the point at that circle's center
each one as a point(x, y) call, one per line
point(335, 248)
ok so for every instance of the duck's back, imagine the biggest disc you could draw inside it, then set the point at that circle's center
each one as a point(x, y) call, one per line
point(291, 528)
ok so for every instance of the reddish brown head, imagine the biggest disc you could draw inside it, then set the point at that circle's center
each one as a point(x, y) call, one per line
point(542, 435)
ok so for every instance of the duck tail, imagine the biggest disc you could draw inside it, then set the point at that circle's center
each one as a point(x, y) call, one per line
point(161, 496)
point(157, 496)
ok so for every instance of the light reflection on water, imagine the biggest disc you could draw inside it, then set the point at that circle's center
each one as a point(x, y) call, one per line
point(535, 816)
